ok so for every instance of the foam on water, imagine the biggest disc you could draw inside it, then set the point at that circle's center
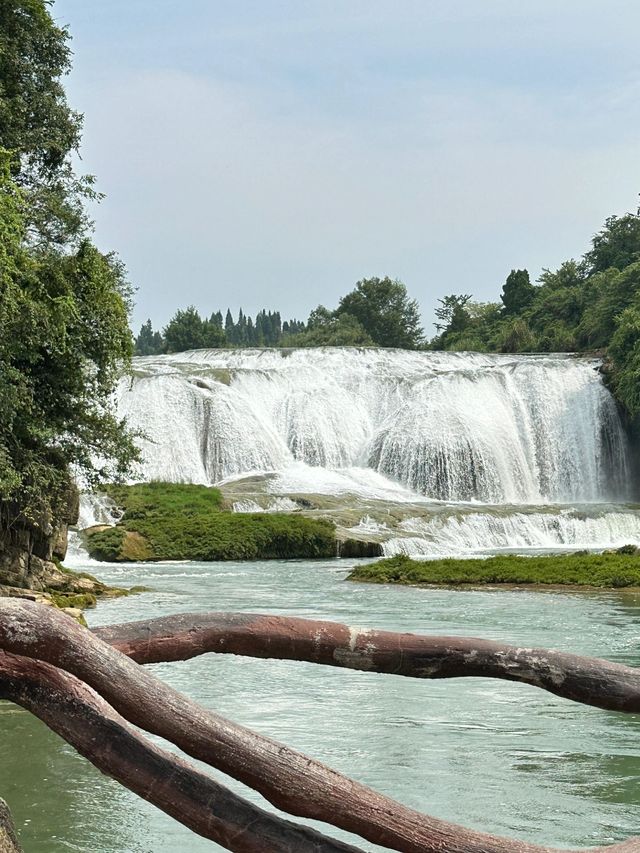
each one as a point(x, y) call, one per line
point(447, 426)
point(482, 532)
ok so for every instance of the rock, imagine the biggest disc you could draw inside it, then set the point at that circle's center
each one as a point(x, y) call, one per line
point(359, 548)
point(8, 838)
point(28, 547)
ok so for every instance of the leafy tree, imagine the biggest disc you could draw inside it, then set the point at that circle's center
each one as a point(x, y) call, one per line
point(585, 304)
point(64, 336)
point(320, 316)
point(624, 353)
point(37, 124)
point(616, 245)
point(452, 313)
point(608, 294)
point(332, 330)
point(384, 310)
point(63, 339)
point(517, 292)
point(148, 342)
point(187, 330)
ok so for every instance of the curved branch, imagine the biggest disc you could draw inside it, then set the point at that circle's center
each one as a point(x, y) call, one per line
point(591, 681)
point(91, 726)
point(289, 779)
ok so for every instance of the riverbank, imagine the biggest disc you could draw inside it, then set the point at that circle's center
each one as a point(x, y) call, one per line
point(611, 569)
point(70, 591)
point(176, 521)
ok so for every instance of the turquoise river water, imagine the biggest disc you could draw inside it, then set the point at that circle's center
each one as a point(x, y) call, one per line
point(501, 757)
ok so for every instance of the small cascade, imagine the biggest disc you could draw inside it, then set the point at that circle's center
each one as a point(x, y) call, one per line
point(95, 508)
point(461, 534)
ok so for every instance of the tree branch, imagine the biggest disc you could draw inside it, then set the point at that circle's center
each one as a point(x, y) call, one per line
point(96, 731)
point(289, 779)
point(591, 681)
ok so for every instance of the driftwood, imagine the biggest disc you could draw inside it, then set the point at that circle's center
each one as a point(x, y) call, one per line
point(170, 638)
point(96, 731)
point(290, 780)
point(8, 838)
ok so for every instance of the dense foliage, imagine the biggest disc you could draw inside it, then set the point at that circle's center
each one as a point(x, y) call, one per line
point(378, 312)
point(188, 330)
point(167, 521)
point(611, 569)
point(63, 304)
point(585, 305)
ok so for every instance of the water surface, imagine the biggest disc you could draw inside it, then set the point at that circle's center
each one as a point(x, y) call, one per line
point(500, 757)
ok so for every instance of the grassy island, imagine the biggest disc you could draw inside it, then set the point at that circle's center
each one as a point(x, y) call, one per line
point(169, 521)
point(612, 569)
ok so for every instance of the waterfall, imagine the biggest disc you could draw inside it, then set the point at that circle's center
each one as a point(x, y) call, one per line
point(442, 426)
point(484, 532)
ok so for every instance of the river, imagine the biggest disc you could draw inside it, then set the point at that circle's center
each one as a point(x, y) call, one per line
point(500, 757)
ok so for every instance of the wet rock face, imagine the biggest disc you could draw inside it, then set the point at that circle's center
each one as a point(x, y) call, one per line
point(28, 549)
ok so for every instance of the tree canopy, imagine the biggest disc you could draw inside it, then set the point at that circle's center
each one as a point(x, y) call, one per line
point(384, 310)
point(585, 305)
point(64, 335)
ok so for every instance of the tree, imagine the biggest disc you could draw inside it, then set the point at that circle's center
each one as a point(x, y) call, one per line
point(517, 292)
point(452, 313)
point(37, 124)
point(616, 245)
point(330, 330)
point(229, 328)
point(624, 352)
point(148, 342)
point(187, 330)
point(64, 337)
point(384, 310)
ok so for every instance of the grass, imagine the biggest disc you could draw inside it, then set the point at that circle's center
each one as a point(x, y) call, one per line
point(615, 569)
point(168, 521)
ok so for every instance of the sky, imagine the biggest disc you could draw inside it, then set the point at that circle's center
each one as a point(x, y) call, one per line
point(271, 153)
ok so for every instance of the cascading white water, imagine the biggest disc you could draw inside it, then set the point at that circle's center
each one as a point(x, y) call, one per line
point(482, 532)
point(95, 508)
point(447, 426)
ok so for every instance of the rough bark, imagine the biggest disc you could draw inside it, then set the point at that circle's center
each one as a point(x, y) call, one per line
point(8, 838)
point(591, 681)
point(290, 780)
point(97, 732)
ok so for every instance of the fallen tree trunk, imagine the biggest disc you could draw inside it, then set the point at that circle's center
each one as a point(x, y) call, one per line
point(591, 681)
point(96, 731)
point(290, 780)
point(8, 838)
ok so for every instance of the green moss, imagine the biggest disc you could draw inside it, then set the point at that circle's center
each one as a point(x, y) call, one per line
point(166, 521)
point(104, 544)
point(152, 500)
point(80, 600)
point(611, 569)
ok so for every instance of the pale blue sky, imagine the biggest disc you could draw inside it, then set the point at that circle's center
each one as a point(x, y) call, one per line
point(270, 154)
